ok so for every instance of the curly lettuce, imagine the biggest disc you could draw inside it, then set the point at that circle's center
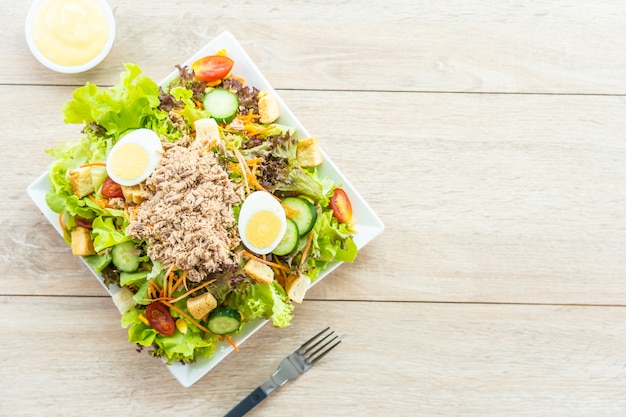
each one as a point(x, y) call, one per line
point(266, 301)
point(131, 104)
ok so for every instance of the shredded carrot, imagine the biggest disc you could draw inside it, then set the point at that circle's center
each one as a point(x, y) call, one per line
point(241, 160)
point(305, 252)
point(235, 167)
point(65, 234)
point(191, 291)
point(163, 298)
point(100, 203)
point(253, 129)
point(198, 104)
point(94, 164)
point(178, 281)
point(186, 316)
point(170, 284)
point(290, 212)
point(153, 288)
point(255, 161)
point(232, 342)
point(164, 289)
point(254, 181)
point(151, 293)
point(266, 262)
point(242, 168)
point(248, 118)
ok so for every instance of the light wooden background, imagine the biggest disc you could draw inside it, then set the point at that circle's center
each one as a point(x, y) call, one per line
point(489, 136)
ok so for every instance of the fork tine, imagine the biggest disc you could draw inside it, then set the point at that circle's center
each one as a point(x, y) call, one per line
point(321, 355)
point(311, 340)
point(311, 351)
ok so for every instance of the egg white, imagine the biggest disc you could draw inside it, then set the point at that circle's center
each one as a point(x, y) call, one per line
point(254, 203)
point(150, 142)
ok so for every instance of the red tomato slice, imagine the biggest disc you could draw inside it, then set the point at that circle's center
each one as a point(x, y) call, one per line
point(111, 189)
point(159, 317)
point(342, 208)
point(212, 68)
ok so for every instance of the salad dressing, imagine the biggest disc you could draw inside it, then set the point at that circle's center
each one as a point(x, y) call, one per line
point(263, 228)
point(70, 32)
point(128, 161)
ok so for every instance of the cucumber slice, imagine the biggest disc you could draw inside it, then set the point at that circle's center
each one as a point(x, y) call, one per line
point(222, 104)
point(289, 241)
point(224, 320)
point(302, 212)
point(125, 256)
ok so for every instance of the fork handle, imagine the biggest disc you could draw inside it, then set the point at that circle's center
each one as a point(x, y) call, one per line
point(248, 403)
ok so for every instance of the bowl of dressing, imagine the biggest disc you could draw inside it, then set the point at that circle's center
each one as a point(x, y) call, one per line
point(70, 36)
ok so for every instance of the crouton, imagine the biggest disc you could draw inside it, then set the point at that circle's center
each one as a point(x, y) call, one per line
point(80, 180)
point(123, 300)
point(268, 108)
point(82, 245)
point(134, 193)
point(308, 152)
point(296, 286)
point(259, 272)
point(207, 132)
point(201, 305)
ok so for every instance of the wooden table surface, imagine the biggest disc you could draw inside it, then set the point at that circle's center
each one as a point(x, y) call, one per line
point(490, 138)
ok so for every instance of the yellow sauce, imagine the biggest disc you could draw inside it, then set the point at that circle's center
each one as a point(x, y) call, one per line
point(70, 32)
point(263, 228)
point(128, 161)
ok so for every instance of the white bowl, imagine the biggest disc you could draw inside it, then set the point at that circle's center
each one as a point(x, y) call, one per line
point(30, 21)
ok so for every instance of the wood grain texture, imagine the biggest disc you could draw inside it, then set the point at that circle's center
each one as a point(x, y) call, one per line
point(487, 135)
point(486, 198)
point(396, 359)
point(399, 45)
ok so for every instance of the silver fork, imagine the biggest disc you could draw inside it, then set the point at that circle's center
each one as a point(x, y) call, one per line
point(290, 368)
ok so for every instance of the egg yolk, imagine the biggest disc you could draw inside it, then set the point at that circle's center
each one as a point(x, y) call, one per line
point(128, 161)
point(70, 32)
point(263, 228)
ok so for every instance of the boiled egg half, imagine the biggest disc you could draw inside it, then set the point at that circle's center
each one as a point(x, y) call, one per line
point(262, 222)
point(134, 157)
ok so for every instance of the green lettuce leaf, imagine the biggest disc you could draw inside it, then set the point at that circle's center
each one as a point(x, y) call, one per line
point(333, 243)
point(106, 234)
point(131, 104)
point(98, 262)
point(267, 301)
point(190, 112)
point(180, 347)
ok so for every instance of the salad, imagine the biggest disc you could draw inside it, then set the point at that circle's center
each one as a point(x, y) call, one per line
point(195, 201)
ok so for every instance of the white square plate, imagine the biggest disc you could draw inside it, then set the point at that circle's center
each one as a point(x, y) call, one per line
point(368, 224)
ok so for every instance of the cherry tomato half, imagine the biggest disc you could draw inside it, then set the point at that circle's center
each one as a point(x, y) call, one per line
point(111, 189)
point(159, 317)
point(342, 208)
point(212, 68)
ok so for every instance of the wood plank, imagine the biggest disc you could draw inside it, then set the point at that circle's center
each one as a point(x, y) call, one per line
point(486, 198)
point(396, 359)
point(402, 45)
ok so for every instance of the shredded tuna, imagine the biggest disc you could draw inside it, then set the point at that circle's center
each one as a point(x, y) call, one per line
point(188, 220)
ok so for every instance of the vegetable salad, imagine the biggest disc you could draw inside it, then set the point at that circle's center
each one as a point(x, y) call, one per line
point(171, 311)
